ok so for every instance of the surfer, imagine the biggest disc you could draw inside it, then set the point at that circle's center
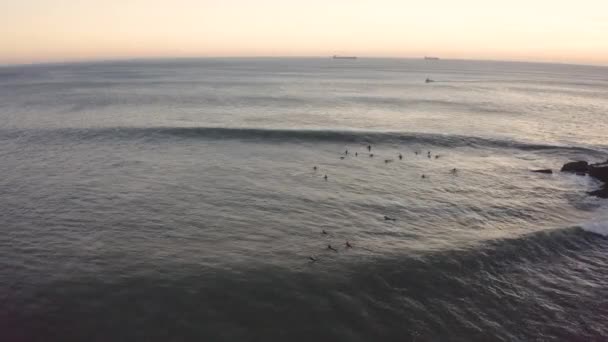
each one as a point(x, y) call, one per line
point(400, 156)
point(331, 248)
point(325, 177)
point(348, 245)
point(386, 218)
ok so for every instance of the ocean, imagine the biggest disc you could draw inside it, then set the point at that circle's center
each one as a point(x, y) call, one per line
point(178, 200)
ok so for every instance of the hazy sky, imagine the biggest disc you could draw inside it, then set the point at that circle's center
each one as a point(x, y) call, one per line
point(549, 30)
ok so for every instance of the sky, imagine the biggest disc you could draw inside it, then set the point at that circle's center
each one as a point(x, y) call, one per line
point(571, 31)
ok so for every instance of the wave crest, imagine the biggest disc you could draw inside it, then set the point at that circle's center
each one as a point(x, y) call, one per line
point(596, 227)
point(287, 135)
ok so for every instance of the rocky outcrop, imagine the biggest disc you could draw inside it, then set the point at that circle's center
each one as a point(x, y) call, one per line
point(576, 167)
point(547, 171)
point(598, 171)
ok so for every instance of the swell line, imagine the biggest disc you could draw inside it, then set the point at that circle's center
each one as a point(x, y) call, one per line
point(283, 135)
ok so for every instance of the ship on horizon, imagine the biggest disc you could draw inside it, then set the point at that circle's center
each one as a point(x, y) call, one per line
point(431, 58)
point(343, 57)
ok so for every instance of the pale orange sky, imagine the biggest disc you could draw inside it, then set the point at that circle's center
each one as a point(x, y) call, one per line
point(536, 30)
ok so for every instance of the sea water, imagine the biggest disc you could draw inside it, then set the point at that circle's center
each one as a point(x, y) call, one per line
point(177, 200)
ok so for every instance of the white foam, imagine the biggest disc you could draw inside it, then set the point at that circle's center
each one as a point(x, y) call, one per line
point(597, 227)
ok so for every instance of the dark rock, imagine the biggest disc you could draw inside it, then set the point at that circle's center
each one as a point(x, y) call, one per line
point(548, 171)
point(577, 167)
point(599, 171)
point(601, 193)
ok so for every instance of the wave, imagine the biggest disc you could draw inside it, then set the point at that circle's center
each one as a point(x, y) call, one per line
point(596, 227)
point(528, 248)
point(467, 291)
point(288, 135)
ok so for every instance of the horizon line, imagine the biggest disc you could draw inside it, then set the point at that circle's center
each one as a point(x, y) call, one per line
point(168, 58)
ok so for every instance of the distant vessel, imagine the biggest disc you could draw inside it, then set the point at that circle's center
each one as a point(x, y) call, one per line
point(429, 58)
point(428, 80)
point(344, 57)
